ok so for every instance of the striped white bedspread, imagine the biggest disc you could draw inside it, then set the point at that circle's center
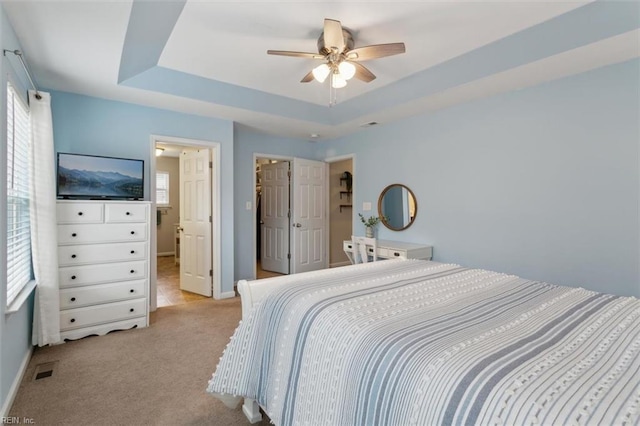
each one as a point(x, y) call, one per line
point(421, 343)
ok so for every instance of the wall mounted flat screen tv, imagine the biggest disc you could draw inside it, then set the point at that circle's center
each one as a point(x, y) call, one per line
point(95, 177)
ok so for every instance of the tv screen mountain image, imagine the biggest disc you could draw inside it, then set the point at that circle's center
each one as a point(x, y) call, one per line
point(81, 176)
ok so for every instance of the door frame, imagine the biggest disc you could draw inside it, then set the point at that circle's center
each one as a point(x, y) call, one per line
point(215, 212)
point(254, 209)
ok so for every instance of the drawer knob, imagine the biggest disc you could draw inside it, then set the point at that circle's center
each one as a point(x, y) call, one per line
point(131, 310)
point(73, 299)
point(74, 234)
point(133, 232)
point(132, 271)
point(80, 213)
point(73, 277)
point(133, 251)
point(72, 320)
point(128, 214)
point(396, 254)
point(132, 291)
point(73, 256)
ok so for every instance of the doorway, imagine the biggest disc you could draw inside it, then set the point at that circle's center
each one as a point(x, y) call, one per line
point(294, 194)
point(341, 198)
point(184, 172)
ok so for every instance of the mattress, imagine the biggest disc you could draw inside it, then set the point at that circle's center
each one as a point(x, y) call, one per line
point(411, 342)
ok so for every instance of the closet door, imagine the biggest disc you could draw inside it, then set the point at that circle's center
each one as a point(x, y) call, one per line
point(310, 216)
point(274, 221)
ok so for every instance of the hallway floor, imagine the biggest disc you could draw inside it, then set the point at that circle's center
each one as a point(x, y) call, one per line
point(169, 292)
point(261, 273)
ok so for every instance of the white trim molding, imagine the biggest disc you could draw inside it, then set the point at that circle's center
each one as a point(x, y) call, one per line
point(13, 390)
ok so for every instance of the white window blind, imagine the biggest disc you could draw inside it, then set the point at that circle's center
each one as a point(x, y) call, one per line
point(162, 188)
point(19, 271)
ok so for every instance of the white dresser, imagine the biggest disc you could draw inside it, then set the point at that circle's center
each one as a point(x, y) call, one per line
point(103, 257)
point(387, 249)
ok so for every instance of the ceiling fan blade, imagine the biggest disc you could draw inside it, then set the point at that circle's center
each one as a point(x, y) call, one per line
point(362, 73)
point(307, 78)
point(295, 54)
point(333, 36)
point(375, 51)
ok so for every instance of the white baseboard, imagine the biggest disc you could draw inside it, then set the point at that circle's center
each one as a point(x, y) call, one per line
point(337, 264)
point(166, 253)
point(227, 295)
point(13, 391)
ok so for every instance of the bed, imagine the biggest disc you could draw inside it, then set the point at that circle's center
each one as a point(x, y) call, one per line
point(412, 342)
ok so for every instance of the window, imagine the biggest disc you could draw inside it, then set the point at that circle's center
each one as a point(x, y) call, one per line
point(19, 270)
point(162, 188)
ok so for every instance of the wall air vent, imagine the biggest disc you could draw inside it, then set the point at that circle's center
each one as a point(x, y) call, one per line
point(369, 124)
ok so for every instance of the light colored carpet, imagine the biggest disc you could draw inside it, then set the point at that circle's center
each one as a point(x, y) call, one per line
point(150, 376)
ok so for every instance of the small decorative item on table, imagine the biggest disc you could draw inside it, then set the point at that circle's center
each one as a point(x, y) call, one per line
point(369, 225)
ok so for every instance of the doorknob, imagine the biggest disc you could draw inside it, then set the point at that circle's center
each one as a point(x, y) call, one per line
point(262, 222)
point(181, 229)
point(297, 225)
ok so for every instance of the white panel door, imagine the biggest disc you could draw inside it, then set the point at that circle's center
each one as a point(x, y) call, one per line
point(310, 222)
point(195, 222)
point(274, 217)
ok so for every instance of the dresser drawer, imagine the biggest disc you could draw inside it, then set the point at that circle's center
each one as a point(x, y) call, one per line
point(100, 253)
point(103, 293)
point(106, 233)
point(93, 315)
point(124, 212)
point(72, 276)
point(80, 213)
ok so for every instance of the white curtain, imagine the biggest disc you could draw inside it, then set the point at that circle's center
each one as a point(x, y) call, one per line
point(46, 319)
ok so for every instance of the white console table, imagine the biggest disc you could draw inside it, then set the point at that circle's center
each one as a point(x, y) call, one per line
point(394, 249)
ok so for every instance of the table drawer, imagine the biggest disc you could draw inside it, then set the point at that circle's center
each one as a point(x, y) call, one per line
point(103, 293)
point(383, 252)
point(125, 212)
point(72, 276)
point(394, 253)
point(347, 246)
point(79, 213)
point(101, 253)
point(83, 317)
point(106, 233)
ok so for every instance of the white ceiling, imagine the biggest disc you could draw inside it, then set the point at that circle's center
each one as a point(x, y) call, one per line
point(456, 52)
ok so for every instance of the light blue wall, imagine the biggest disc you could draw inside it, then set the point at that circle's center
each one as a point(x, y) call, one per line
point(15, 329)
point(95, 126)
point(248, 143)
point(541, 182)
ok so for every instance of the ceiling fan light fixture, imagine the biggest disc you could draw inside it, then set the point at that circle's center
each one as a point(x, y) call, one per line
point(337, 81)
point(321, 72)
point(347, 70)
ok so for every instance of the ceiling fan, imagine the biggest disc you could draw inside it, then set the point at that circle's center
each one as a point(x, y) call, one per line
point(341, 60)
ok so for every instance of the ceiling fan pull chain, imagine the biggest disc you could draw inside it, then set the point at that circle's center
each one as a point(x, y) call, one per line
point(332, 95)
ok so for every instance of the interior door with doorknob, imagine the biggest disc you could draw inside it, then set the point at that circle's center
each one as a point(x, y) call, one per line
point(310, 221)
point(195, 222)
point(274, 217)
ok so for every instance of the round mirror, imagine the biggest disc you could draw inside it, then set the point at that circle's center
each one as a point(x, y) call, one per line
point(397, 207)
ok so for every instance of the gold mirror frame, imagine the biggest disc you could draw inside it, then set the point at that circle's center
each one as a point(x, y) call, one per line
point(389, 222)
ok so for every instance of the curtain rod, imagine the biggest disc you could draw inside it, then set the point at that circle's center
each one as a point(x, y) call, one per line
point(18, 53)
